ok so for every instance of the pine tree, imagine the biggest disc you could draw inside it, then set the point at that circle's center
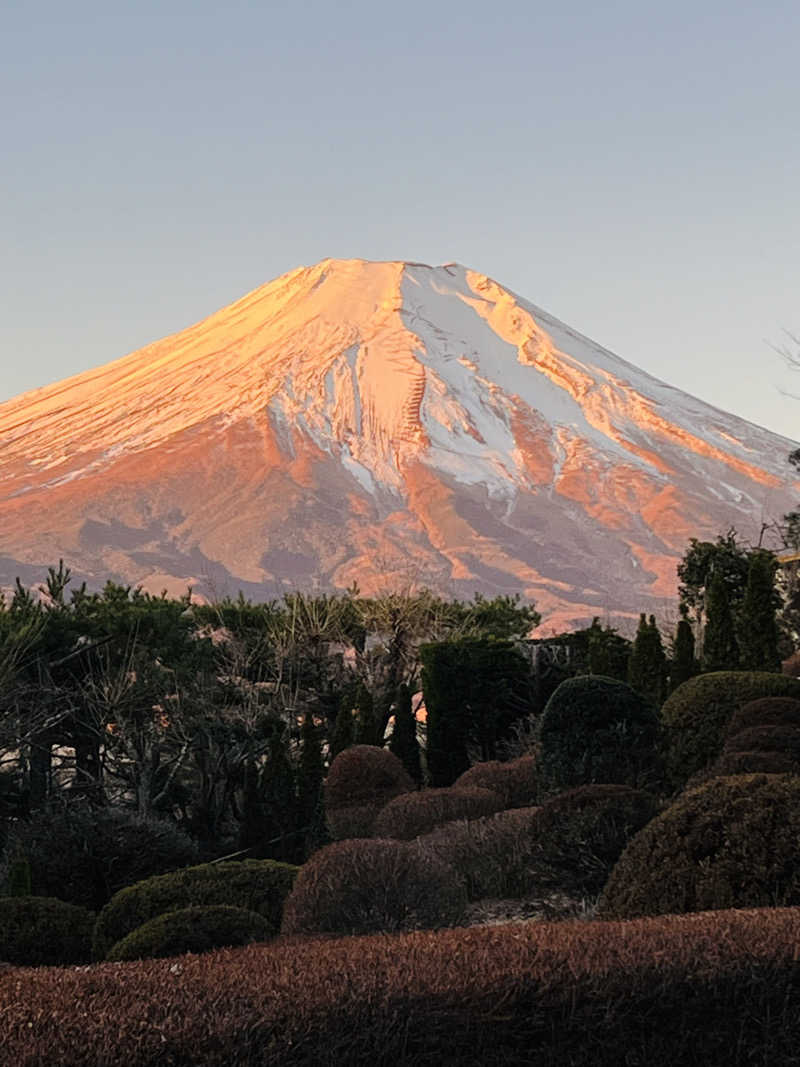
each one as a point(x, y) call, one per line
point(404, 743)
point(646, 667)
point(368, 730)
point(684, 665)
point(344, 727)
point(758, 636)
point(270, 804)
point(720, 649)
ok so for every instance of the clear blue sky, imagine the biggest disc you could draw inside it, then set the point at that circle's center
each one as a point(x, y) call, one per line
point(632, 167)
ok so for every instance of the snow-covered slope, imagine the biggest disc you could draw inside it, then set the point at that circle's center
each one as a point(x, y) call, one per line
point(385, 423)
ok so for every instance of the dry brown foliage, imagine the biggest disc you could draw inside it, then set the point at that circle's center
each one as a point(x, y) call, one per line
point(361, 780)
point(515, 781)
point(705, 989)
point(412, 814)
point(768, 711)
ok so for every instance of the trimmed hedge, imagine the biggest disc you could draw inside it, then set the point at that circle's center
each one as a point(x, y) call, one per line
point(360, 781)
point(373, 886)
point(44, 932)
point(768, 711)
point(487, 853)
point(731, 843)
point(516, 781)
point(782, 739)
point(255, 885)
point(732, 763)
point(412, 814)
point(597, 729)
point(694, 718)
point(84, 855)
point(197, 929)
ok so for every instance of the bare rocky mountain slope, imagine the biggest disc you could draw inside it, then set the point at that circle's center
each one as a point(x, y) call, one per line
point(388, 424)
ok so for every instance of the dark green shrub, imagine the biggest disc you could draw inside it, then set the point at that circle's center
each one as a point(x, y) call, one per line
point(768, 711)
point(782, 739)
point(486, 853)
point(515, 782)
point(84, 855)
point(198, 929)
point(578, 836)
point(255, 885)
point(44, 932)
point(371, 886)
point(597, 729)
point(360, 781)
point(732, 843)
point(695, 716)
point(18, 882)
point(413, 814)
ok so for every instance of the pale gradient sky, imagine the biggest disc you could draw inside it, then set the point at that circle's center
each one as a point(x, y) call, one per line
point(631, 167)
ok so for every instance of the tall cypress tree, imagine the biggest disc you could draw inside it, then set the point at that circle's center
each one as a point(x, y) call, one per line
point(758, 635)
point(367, 728)
point(404, 743)
point(310, 812)
point(647, 661)
point(720, 648)
point(684, 665)
point(344, 728)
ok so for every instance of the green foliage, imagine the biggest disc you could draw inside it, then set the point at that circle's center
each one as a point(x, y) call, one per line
point(647, 663)
point(731, 843)
point(255, 885)
point(194, 929)
point(403, 742)
point(758, 628)
point(597, 729)
point(44, 932)
point(269, 823)
point(373, 886)
point(720, 648)
point(515, 782)
point(694, 718)
point(607, 652)
point(368, 726)
point(18, 880)
point(474, 688)
point(684, 665)
point(344, 731)
point(83, 855)
point(412, 814)
point(726, 559)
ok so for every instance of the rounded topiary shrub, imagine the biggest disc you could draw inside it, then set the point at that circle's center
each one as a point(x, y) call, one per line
point(83, 855)
point(732, 843)
point(578, 836)
point(255, 885)
point(516, 781)
point(361, 780)
point(412, 814)
point(369, 886)
point(43, 931)
point(694, 718)
point(730, 763)
point(768, 711)
point(486, 853)
point(597, 729)
point(782, 739)
point(198, 929)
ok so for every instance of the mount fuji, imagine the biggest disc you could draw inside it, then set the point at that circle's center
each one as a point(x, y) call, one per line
point(390, 424)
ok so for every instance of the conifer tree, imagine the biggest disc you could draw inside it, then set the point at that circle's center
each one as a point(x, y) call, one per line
point(646, 666)
point(270, 804)
point(720, 648)
point(344, 727)
point(310, 812)
point(367, 728)
point(684, 665)
point(758, 636)
point(404, 743)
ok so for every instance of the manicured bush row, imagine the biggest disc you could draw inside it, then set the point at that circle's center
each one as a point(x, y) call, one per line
point(733, 763)
point(731, 843)
point(718, 988)
point(782, 739)
point(372, 886)
point(695, 717)
point(768, 711)
point(360, 781)
point(192, 930)
point(255, 885)
point(412, 814)
point(516, 781)
point(42, 931)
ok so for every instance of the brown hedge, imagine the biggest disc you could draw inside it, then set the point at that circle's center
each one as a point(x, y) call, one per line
point(768, 711)
point(718, 988)
point(372, 885)
point(782, 739)
point(516, 781)
point(360, 781)
point(733, 763)
point(412, 814)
